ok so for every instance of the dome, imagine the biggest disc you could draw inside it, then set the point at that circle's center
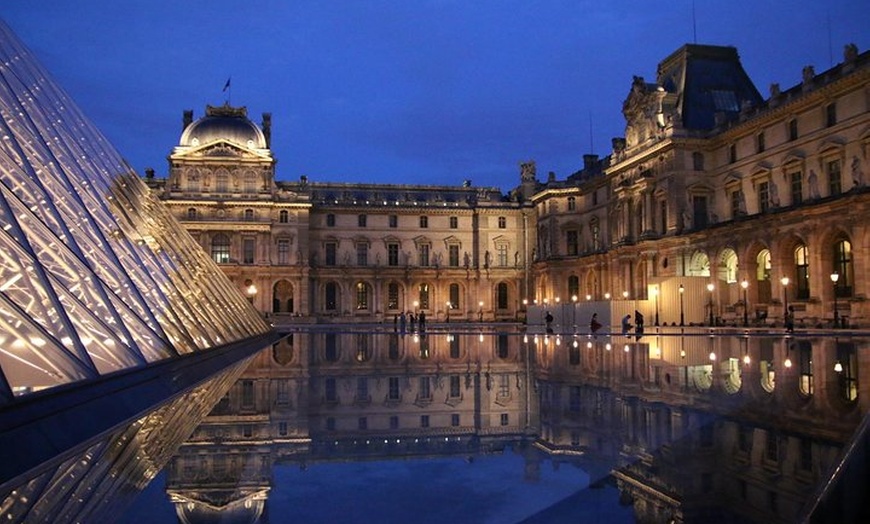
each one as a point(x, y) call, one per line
point(224, 123)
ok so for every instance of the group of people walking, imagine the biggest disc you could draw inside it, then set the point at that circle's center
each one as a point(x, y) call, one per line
point(417, 322)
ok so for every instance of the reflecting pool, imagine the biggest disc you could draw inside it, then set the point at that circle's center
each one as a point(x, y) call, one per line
point(494, 424)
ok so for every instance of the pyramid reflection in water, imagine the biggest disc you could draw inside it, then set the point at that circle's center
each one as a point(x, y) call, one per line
point(95, 275)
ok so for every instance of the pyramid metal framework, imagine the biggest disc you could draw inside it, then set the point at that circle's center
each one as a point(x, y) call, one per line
point(95, 275)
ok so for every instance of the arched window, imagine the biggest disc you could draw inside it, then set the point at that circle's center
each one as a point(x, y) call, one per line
point(572, 203)
point(283, 216)
point(847, 369)
point(220, 248)
point(843, 267)
point(331, 297)
point(191, 213)
point(728, 268)
point(424, 296)
point(502, 296)
point(454, 296)
point(362, 296)
point(762, 276)
point(392, 296)
point(801, 272)
point(249, 215)
point(221, 181)
point(805, 366)
point(573, 286)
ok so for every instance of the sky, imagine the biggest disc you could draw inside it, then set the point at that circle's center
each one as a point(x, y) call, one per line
point(422, 91)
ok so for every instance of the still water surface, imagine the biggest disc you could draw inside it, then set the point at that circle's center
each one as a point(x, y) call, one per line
point(497, 425)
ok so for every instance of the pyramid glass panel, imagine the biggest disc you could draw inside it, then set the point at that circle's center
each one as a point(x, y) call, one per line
point(95, 274)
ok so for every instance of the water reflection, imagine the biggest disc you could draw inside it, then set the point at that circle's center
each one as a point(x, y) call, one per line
point(686, 427)
point(491, 425)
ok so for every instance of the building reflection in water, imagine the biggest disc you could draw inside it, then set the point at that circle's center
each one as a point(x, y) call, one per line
point(692, 428)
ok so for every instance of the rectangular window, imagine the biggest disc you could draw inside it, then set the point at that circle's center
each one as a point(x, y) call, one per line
point(424, 421)
point(453, 255)
point(329, 390)
point(732, 153)
point(572, 204)
point(362, 389)
point(330, 257)
point(424, 255)
point(454, 222)
point(699, 209)
point(394, 388)
point(394, 422)
point(792, 129)
point(394, 221)
point(424, 222)
point(574, 397)
point(330, 220)
point(735, 203)
point(502, 223)
point(454, 386)
point(759, 142)
point(573, 242)
point(454, 420)
point(392, 254)
point(831, 114)
point(453, 290)
point(771, 450)
point(363, 423)
point(282, 429)
point(834, 178)
point(362, 254)
point(362, 220)
point(763, 197)
point(393, 296)
point(502, 254)
point(504, 385)
point(663, 215)
point(248, 251)
point(797, 189)
point(698, 161)
point(248, 394)
point(283, 252)
point(330, 424)
point(425, 390)
point(505, 420)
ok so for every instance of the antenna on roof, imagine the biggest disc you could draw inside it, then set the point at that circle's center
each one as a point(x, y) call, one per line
point(694, 25)
point(591, 148)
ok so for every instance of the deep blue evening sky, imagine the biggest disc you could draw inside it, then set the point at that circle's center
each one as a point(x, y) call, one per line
point(425, 91)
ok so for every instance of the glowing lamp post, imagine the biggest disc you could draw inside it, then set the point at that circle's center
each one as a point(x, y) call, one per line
point(745, 285)
point(710, 288)
point(682, 315)
point(784, 282)
point(835, 277)
point(449, 305)
point(252, 292)
point(480, 311)
point(655, 292)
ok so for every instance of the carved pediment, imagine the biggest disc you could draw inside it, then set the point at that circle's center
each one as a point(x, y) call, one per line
point(220, 149)
point(643, 112)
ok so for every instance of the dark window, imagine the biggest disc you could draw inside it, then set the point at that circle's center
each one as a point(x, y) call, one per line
point(792, 129)
point(330, 220)
point(454, 386)
point(663, 215)
point(454, 296)
point(329, 390)
point(362, 220)
point(394, 388)
point(763, 197)
point(362, 254)
point(834, 178)
point(331, 296)
point(330, 258)
point(454, 420)
point(394, 422)
point(573, 242)
point(573, 286)
point(802, 273)
point(735, 203)
point(505, 419)
point(249, 215)
point(423, 254)
point(797, 188)
point(699, 209)
point(247, 393)
point(502, 345)
point(394, 221)
point(572, 203)
point(363, 423)
point(759, 143)
point(393, 296)
point(454, 222)
point(831, 114)
point(191, 213)
point(453, 255)
point(424, 222)
point(283, 216)
point(392, 254)
point(732, 153)
point(698, 161)
point(502, 295)
point(502, 222)
point(424, 421)
point(454, 346)
point(843, 267)
point(248, 251)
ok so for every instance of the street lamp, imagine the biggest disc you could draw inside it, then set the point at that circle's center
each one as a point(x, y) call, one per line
point(682, 316)
point(655, 292)
point(448, 311)
point(625, 295)
point(784, 282)
point(835, 277)
point(252, 292)
point(745, 285)
point(607, 296)
point(710, 288)
point(574, 311)
point(480, 312)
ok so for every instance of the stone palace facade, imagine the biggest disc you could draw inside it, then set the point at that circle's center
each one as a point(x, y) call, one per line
point(716, 198)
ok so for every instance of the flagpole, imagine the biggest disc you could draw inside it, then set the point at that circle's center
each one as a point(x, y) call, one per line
point(228, 89)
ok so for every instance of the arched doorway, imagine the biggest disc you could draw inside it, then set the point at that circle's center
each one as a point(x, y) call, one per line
point(282, 297)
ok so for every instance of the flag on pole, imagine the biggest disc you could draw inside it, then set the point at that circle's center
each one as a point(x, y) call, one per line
point(227, 85)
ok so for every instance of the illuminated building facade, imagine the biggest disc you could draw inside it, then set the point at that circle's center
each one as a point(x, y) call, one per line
point(749, 204)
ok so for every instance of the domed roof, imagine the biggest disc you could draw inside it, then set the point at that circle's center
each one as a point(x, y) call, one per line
point(224, 123)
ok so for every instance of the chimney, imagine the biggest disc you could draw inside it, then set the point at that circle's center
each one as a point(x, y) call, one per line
point(589, 162)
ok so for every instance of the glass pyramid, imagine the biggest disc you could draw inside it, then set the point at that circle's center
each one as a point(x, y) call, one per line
point(95, 275)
